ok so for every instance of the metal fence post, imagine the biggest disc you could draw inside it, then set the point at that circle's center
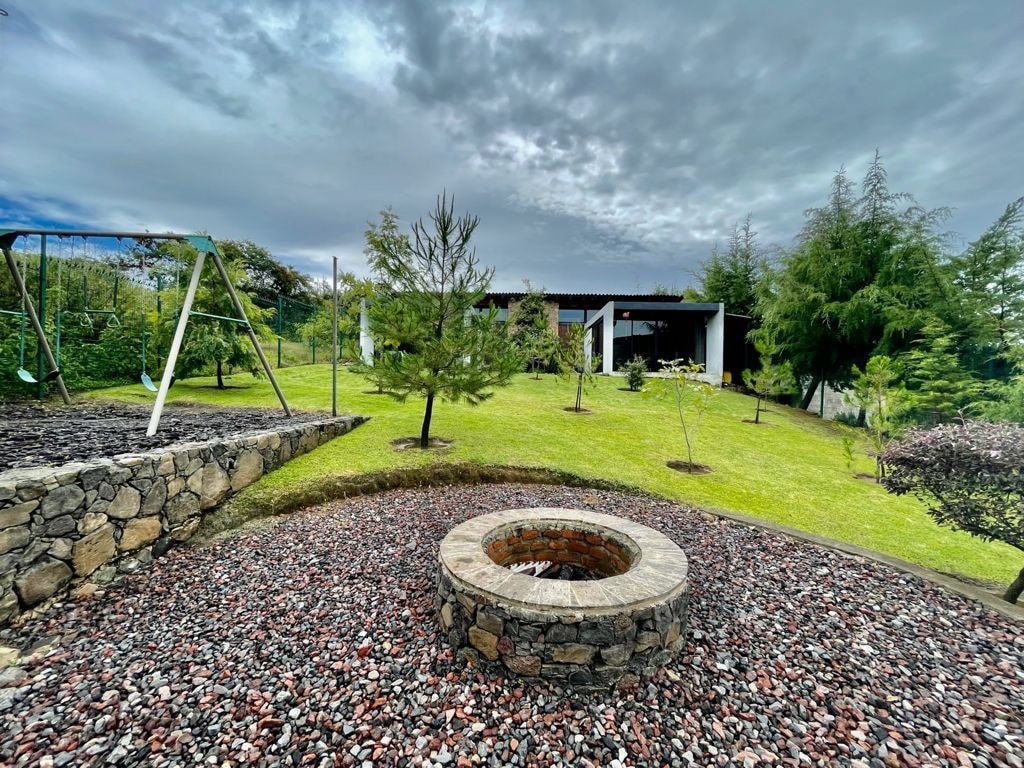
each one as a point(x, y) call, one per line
point(334, 338)
point(40, 357)
point(280, 314)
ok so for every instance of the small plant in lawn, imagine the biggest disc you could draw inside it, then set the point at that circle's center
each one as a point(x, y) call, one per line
point(969, 475)
point(635, 371)
point(877, 393)
point(848, 444)
point(573, 362)
point(771, 379)
point(680, 380)
point(433, 283)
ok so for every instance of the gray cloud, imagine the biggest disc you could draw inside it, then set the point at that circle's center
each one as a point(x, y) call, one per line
point(604, 145)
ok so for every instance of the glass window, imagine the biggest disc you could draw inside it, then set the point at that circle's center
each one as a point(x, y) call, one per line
point(566, 316)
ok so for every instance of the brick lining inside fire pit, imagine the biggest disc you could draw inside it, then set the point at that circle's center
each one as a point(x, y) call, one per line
point(596, 551)
point(615, 629)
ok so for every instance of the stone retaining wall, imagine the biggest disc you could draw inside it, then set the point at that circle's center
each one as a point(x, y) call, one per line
point(59, 525)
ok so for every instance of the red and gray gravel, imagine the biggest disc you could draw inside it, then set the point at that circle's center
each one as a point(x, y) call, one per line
point(311, 642)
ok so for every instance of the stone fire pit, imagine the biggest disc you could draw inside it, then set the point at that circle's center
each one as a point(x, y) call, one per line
point(623, 620)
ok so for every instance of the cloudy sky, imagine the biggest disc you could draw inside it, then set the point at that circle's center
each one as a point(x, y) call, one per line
point(604, 145)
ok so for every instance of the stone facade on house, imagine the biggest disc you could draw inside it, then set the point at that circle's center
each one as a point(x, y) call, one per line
point(91, 520)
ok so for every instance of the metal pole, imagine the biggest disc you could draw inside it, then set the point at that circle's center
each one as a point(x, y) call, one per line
point(159, 287)
point(252, 334)
point(280, 312)
point(40, 370)
point(172, 355)
point(334, 338)
point(20, 283)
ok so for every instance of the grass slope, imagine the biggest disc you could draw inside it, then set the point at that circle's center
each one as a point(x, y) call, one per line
point(790, 470)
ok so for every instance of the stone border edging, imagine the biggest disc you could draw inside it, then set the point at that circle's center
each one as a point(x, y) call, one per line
point(963, 588)
point(469, 473)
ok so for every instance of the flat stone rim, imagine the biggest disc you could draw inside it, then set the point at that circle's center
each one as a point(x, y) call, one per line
point(657, 573)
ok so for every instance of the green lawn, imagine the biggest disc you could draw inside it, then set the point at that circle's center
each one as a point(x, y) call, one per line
point(790, 470)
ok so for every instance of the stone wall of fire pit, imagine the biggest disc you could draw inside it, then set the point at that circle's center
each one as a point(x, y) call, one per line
point(60, 525)
point(617, 627)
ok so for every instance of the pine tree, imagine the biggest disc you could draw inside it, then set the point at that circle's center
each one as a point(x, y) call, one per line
point(529, 329)
point(444, 348)
point(732, 277)
point(773, 378)
point(939, 385)
point(989, 310)
point(878, 393)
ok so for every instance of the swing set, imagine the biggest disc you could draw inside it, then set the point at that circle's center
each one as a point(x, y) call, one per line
point(48, 364)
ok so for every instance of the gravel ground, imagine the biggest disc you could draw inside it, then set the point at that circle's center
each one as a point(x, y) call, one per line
point(310, 642)
point(34, 435)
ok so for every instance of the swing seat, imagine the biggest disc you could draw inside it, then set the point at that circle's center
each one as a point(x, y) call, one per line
point(147, 382)
point(28, 378)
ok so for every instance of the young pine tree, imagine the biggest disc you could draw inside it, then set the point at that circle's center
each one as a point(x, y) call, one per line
point(530, 331)
point(446, 349)
point(878, 393)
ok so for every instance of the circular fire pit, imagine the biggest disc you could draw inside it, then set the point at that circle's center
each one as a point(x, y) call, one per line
point(567, 595)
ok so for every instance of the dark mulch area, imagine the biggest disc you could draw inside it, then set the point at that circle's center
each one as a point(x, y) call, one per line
point(35, 435)
point(312, 642)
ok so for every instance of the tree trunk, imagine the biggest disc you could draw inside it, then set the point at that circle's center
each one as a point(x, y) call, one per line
point(757, 411)
point(1015, 589)
point(425, 431)
point(579, 394)
point(805, 403)
point(862, 417)
point(220, 375)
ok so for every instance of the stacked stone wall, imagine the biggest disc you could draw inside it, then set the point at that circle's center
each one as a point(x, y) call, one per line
point(91, 520)
point(593, 633)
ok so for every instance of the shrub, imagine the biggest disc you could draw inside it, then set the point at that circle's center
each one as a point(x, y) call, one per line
point(847, 418)
point(970, 476)
point(635, 371)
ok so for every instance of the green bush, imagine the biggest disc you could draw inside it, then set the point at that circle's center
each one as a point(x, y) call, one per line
point(635, 371)
point(847, 418)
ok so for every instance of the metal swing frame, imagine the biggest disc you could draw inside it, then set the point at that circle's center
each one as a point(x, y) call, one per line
point(204, 246)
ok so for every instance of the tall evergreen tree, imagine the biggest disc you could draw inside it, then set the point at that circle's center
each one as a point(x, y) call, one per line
point(806, 311)
point(863, 280)
point(732, 276)
point(989, 303)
